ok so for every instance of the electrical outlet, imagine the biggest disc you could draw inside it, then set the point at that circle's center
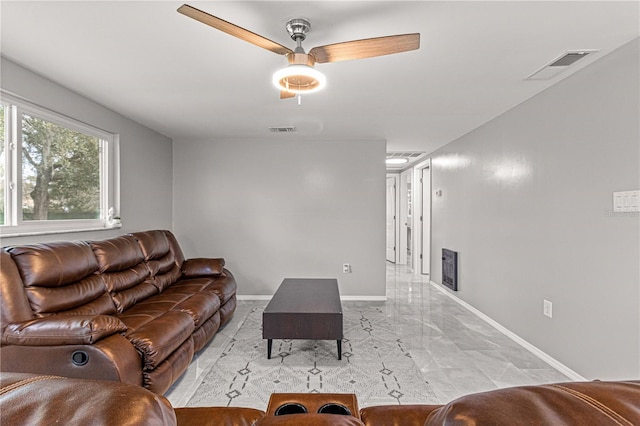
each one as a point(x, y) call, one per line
point(346, 268)
point(547, 309)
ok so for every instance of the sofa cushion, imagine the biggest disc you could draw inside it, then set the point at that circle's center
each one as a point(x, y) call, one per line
point(577, 403)
point(91, 290)
point(128, 297)
point(54, 264)
point(159, 257)
point(190, 285)
point(59, 278)
point(154, 244)
point(35, 400)
point(175, 248)
point(14, 305)
point(160, 379)
point(63, 330)
point(224, 287)
point(199, 267)
point(200, 306)
point(158, 338)
point(117, 254)
point(122, 267)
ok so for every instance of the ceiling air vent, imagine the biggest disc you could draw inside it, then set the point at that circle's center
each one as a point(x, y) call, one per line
point(559, 64)
point(408, 155)
point(284, 129)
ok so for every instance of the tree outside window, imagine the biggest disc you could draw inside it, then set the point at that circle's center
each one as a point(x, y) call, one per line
point(60, 172)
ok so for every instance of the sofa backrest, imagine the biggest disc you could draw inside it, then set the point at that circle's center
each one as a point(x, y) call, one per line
point(160, 258)
point(14, 305)
point(60, 277)
point(121, 264)
point(86, 277)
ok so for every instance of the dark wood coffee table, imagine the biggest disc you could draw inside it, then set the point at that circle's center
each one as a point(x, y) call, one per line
point(304, 308)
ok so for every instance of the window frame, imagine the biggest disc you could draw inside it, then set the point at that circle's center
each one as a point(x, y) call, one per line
point(109, 173)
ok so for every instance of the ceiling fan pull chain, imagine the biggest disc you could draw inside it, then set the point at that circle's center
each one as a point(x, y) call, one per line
point(299, 99)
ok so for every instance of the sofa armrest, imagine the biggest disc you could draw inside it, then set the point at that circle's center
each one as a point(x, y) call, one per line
point(215, 416)
point(62, 330)
point(199, 267)
point(393, 415)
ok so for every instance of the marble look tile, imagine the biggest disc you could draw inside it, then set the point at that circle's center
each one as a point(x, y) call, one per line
point(456, 352)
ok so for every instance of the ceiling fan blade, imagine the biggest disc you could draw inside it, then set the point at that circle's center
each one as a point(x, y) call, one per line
point(286, 95)
point(366, 48)
point(234, 30)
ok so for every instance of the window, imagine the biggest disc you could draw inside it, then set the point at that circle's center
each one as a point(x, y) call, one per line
point(56, 174)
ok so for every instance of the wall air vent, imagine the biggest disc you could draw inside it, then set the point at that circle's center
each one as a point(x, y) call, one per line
point(283, 129)
point(559, 64)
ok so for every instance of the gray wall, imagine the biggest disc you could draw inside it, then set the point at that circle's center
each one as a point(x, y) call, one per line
point(145, 156)
point(284, 208)
point(527, 203)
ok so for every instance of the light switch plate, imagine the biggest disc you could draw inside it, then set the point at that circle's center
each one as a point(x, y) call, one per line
point(626, 201)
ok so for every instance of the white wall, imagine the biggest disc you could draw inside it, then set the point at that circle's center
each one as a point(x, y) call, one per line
point(527, 203)
point(284, 208)
point(145, 156)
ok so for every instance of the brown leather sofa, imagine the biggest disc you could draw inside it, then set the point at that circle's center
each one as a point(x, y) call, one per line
point(130, 309)
point(43, 400)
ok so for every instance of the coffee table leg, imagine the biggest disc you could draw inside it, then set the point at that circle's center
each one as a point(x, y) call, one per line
point(339, 349)
point(269, 344)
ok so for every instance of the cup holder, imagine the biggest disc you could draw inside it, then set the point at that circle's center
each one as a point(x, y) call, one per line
point(290, 408)
point(333, 408)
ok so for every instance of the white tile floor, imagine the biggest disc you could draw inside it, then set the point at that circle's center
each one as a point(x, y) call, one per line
point(457, 352)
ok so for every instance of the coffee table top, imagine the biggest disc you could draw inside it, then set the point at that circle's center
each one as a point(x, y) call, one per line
point(306, 295)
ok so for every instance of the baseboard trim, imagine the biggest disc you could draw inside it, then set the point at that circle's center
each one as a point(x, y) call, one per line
point(511, 335)
point(344, 298)
point(253, 297)
point(364, 298)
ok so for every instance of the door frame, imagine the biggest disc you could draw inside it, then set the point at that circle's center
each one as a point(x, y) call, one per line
point(422, 220)
point(395, 177)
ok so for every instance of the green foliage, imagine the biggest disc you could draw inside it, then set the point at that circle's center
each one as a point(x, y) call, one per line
point(60, 172)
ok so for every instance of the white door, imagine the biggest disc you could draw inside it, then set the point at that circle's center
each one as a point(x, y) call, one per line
point(425, 258)
point(403, 221)
point(391, 219)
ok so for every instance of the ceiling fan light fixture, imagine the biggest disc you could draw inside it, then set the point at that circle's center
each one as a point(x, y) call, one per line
point(298, 78)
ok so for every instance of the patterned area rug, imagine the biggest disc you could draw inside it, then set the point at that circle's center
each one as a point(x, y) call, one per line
point(375, 366)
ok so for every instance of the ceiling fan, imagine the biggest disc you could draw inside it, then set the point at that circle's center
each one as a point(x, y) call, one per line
point(300, 76)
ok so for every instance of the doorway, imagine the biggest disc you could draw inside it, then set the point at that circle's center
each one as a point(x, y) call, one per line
point(391, 219)
point(405, 220)
point(425, 222)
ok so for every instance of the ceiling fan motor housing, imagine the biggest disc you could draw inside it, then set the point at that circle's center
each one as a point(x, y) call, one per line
point(298, 28)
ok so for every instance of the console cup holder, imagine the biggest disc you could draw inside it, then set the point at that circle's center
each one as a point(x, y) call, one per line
point(333, 408)
point(290, 408)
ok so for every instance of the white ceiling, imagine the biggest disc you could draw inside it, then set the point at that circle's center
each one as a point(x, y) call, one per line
point(189, 81)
